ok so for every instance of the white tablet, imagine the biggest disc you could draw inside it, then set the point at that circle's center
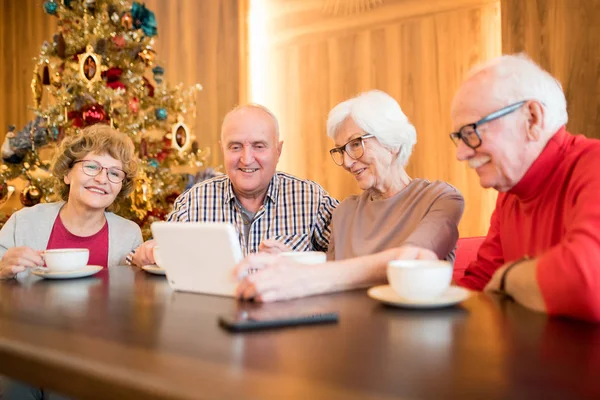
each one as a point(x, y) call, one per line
point(198, 256)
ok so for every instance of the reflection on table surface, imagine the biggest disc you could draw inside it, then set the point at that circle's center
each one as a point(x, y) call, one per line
point(125, 333)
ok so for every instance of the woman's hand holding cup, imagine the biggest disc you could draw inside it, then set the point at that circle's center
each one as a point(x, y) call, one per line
point(18, 259)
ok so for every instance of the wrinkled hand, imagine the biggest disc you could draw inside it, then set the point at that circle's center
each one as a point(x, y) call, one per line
point(273, 246)
point(18, 259)
point(144, 254)
point(409, 252)
point(521, 284)
point(266, 277)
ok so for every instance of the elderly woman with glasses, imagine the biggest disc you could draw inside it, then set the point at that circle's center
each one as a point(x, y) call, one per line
point(392, 218)
point(93, 168)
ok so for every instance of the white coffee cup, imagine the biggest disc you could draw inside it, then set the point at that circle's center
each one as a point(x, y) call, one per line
point(157, 260)
point(305, 257)
point(62, 260)
point(419, 279)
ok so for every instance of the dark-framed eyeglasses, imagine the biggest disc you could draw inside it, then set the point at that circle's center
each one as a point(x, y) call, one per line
point(355, 149)
point(94, 168)
point(469, 133)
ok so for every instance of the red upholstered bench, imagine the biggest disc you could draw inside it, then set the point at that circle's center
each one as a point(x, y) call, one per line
point(466, 251)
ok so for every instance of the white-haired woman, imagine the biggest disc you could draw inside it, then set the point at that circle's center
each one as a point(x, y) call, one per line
point(393, 217)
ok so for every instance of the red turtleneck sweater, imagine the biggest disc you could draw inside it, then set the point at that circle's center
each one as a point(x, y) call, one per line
point(553, 214)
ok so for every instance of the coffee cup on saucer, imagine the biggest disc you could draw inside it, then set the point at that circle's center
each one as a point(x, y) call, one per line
point(64, 260)
point(305, 257)
point(419, 279)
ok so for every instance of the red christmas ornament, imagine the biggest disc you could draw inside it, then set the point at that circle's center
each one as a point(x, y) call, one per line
point(93, 114)
point(75, 116)
point(171, 197)
point(119, 41)
point(143, 148)
point(134, 105)
point(116, 85)
point(162, 155)
point(31, 195)
point(112, 74)
point(149, 87)
point(160, 214)
point(113, 78)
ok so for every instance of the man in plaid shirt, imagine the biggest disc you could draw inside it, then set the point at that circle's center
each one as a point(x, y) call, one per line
point(272, 211)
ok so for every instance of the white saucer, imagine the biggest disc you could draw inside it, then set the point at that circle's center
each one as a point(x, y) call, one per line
point(386, 294)
point(78, 273)
point(154, 269)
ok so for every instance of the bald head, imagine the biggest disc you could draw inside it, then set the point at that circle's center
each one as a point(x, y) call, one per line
point(252, 112)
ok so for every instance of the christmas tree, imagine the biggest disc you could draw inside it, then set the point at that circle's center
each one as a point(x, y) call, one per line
point(100, 67)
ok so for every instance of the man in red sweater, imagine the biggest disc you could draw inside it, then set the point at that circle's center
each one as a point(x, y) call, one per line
point(543, 246)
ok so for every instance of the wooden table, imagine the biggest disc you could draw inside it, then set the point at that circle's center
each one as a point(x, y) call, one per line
point(127, 335)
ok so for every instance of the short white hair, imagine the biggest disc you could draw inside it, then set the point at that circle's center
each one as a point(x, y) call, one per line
point(377, 113)
point(517, 77)
point(255, 106)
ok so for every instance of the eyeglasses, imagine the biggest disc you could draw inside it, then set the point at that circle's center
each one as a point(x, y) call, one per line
point(355, 149)
point(94, 168)
point(469, 133)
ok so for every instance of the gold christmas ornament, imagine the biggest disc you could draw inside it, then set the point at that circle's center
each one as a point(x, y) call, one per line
point(180, 136)
point(148, 56)
point(36, 87)
point(127, 21)
point(90, 66)
point(141, 197)
point(56, 79)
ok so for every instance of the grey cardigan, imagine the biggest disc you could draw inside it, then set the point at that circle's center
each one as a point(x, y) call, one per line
point(32, 226)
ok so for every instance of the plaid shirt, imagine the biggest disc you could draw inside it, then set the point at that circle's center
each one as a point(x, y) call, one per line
point(296, 212)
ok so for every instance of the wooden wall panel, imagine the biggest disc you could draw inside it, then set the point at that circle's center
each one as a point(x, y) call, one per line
point(417, 51)
point(23, 28)
point(198, 42)
point(562, 36)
